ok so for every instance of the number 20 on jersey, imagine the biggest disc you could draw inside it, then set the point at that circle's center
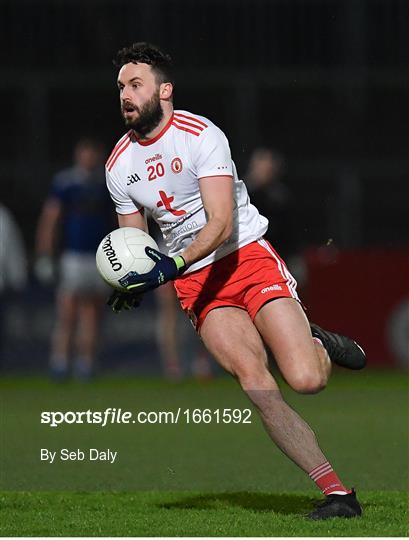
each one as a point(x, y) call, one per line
point(155, 171)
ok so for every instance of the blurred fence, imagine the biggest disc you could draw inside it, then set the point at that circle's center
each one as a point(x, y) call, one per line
point(126, 343)
point(351, 292)
point(324, 81)
point(236, 33)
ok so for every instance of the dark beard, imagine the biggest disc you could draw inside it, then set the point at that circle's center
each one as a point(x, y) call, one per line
point(149, 118)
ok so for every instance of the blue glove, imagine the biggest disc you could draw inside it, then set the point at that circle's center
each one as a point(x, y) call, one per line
point(165, 269)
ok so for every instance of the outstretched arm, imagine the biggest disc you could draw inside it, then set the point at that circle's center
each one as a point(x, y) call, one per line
point(217, 197)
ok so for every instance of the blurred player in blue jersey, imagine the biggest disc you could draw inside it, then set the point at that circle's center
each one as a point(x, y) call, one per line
point(79, 207)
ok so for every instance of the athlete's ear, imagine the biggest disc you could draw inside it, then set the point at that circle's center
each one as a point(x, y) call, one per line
point(165, 90)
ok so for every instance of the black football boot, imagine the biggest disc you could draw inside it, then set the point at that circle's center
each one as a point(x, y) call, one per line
point(345, 506)
point(342, 350)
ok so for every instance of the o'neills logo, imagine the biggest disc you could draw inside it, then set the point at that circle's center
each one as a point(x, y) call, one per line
point(274, 287)
point(153, 158)
point(110, 254)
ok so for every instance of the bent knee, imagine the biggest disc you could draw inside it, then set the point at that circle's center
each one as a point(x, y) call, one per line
point(308, 383)
point(254, 379)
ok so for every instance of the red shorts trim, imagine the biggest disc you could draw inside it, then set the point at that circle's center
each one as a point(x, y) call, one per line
point(246, 278)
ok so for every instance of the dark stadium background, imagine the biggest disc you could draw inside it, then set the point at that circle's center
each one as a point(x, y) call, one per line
point(323, 81)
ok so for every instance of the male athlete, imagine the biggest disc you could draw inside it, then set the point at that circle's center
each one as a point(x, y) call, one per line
point(230, 281)
point(79, 205)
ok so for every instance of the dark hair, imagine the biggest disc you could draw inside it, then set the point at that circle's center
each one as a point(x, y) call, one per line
point(145, 53)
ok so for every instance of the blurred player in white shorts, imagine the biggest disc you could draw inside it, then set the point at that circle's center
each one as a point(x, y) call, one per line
point(78, 207)
point(77, 274)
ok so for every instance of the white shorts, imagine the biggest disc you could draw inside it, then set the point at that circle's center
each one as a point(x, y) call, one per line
point(79, 274)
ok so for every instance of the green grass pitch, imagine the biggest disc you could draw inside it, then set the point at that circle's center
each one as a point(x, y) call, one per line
point(202, 480)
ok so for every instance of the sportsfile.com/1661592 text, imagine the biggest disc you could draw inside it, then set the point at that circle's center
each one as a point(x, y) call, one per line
point(112, 415)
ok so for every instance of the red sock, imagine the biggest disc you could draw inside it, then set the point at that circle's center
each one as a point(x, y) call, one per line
point(327, 480)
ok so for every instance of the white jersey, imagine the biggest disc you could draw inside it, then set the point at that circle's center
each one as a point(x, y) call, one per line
point(162, 175)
